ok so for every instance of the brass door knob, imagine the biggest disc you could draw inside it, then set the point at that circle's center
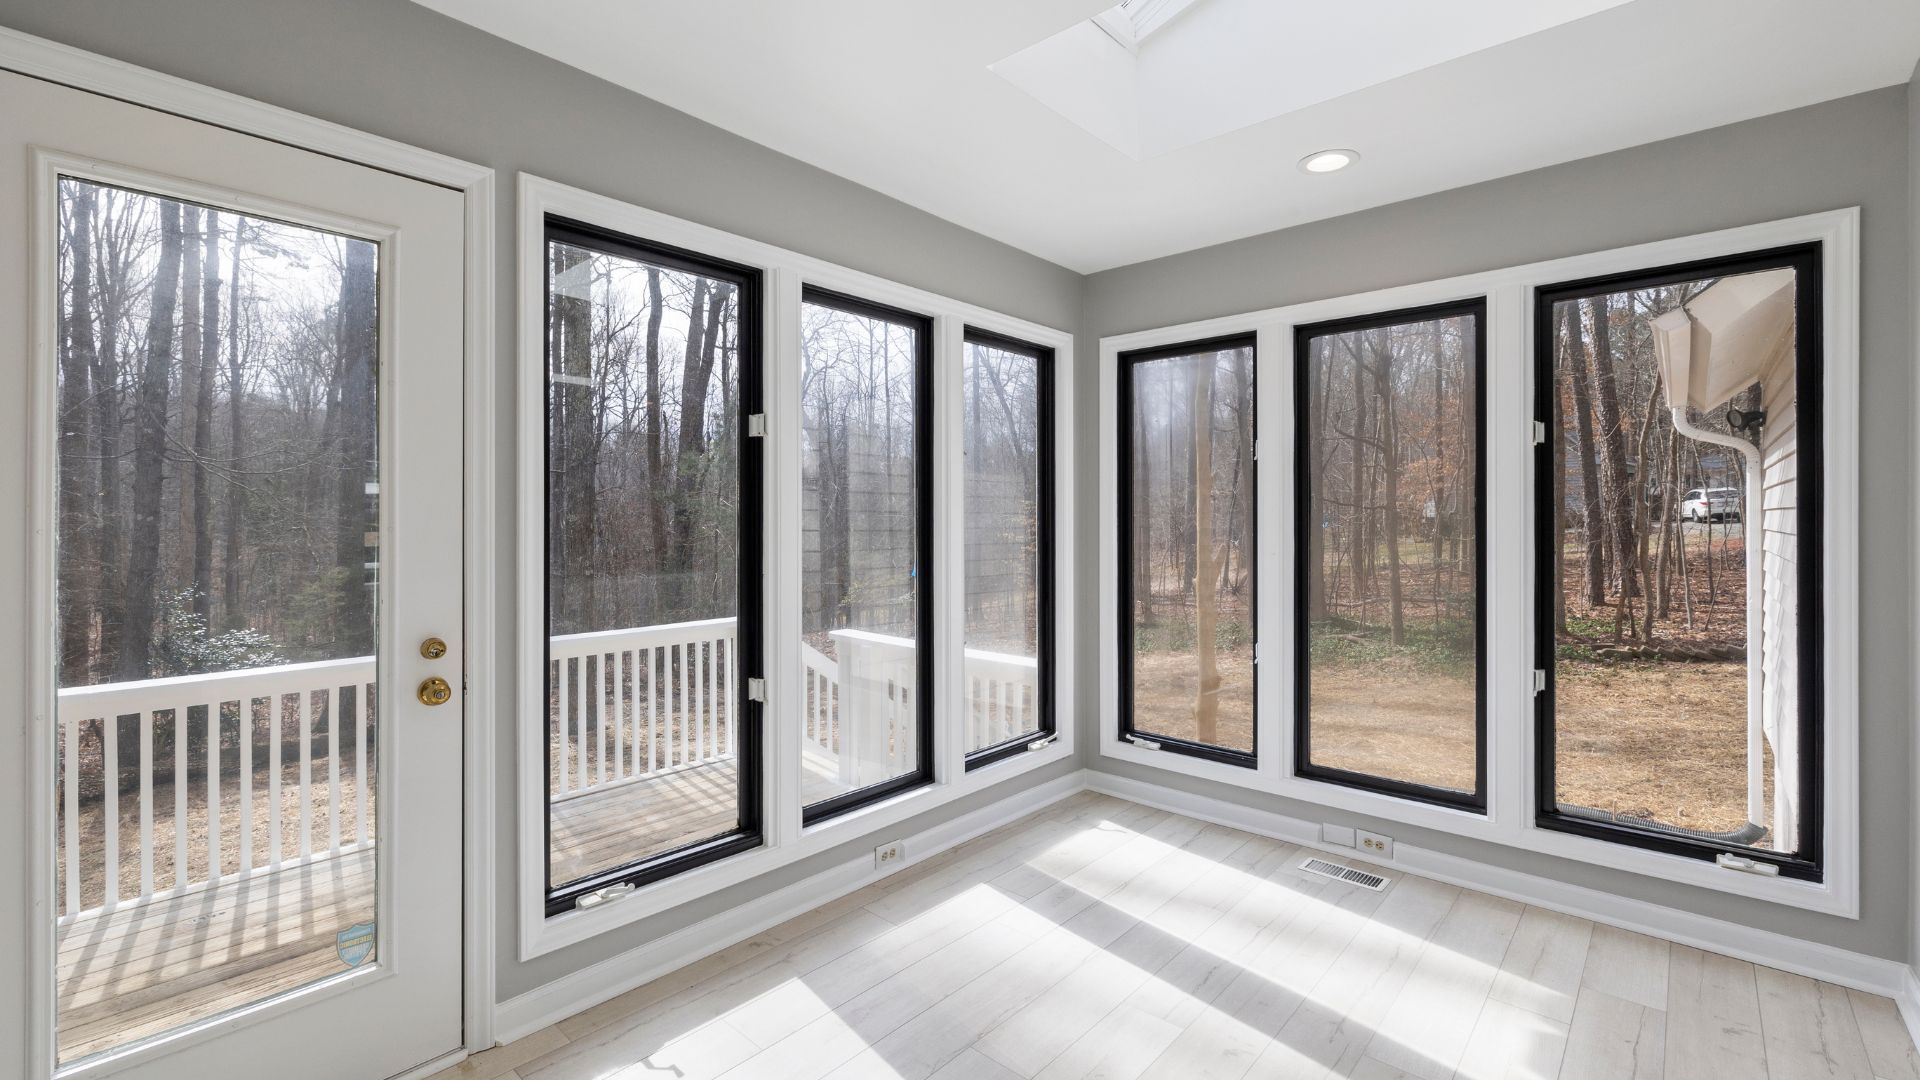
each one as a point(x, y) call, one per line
point(435, 691)
point(433, 648)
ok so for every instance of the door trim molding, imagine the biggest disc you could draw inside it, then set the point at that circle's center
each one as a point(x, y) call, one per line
point(54, 62)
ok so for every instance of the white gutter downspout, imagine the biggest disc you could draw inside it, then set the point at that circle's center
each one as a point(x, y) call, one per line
point(1750, 516)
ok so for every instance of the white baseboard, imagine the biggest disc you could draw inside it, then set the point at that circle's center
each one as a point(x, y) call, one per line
point(429, 1068)
point(521, 1016)
point(1859, 971)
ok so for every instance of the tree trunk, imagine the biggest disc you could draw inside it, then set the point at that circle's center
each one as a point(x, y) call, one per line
point(695, 378)
point(78, 359)
point(149, 457)
point(209, 361)
point(1615, 475)
point(1142, 515)
point(1317, 580)
point(1390, 458)
point(1206, 704)
point(1593, 517)
point(358, 345)
point(236, 441)
point(110, 594)
point(656, 506)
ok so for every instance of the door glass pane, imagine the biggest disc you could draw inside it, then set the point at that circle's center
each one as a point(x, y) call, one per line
point(1678, 521)
point(1191, 515)
point(217, 570)
point(643, 510)
point(861, 486)
point(1391, 611)
point(1006, 543)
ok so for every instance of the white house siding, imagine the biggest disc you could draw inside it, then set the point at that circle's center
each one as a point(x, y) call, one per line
point(1779, 582)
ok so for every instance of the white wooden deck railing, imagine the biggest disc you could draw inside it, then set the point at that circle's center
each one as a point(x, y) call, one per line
point(296, 693)
point(858, 707)
point(630, 704)
point(1003, 697)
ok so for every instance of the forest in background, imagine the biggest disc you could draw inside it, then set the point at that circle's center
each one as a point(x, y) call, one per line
point(1192, 521)
point(643, 488)
point(217, 439)
point(1392, 428)
point(1650, 619)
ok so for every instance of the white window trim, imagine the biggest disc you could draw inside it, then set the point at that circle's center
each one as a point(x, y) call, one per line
point(1508, 462)
point(786, 840)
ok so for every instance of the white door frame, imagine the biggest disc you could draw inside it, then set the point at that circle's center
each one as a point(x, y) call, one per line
point(57, 63)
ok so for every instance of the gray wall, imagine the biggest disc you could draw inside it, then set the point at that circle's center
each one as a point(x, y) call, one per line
point(395, 69)
point(1848, 152)
point(1913, 301)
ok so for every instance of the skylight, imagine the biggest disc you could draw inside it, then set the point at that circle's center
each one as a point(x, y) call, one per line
point(1152, 76)
point(1131, 22)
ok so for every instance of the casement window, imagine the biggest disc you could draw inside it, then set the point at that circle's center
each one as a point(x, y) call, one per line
point(866, 633)
point(1389, 607)
point(1679, 612)
point(1007, 442)
point(1186, 541)
point(740, 487)
point(652, 535)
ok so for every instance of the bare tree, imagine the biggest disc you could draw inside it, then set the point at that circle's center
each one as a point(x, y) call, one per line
point(149, 454)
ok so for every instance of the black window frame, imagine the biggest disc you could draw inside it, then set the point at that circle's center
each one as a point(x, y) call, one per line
point(1044, 671)
point(1305, 521)
point(749, 832)
point(924, 569)
point(1806, 861)
point(1123, 500)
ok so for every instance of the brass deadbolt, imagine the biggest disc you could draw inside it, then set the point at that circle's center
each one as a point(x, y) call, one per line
point(435, 691)
point(433, 648)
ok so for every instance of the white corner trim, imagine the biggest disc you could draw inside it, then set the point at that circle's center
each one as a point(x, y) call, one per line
point(1872, 974)
point(552, 1002)
point(1908, 1002)
point(481, 631)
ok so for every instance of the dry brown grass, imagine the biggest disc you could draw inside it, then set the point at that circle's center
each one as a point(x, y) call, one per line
point(1659, 741)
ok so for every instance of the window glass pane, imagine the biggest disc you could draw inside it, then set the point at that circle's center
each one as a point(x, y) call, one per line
point(861, 489)
point(1006, 543)
point(1389, 538)
point(1191, 570)
point(643, 514)
point(1676, 527)
point(217, 591)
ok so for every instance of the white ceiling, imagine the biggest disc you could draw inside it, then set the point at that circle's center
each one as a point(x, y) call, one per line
point(898, 95)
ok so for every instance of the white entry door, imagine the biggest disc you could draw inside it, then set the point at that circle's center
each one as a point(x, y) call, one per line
point(234, 382)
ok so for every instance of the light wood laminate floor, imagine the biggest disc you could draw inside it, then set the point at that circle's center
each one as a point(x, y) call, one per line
point(1104, 939)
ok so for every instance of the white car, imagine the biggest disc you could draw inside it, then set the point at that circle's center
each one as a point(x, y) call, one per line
point(1711, 504)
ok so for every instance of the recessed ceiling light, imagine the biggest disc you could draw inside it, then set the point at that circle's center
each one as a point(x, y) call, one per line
point(1326, 161)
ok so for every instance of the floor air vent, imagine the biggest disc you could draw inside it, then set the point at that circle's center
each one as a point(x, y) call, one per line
point(1344, 873)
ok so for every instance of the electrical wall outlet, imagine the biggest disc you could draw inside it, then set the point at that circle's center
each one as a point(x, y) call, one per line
point(1376, 845)
point(889, 855)
point(1336, 834)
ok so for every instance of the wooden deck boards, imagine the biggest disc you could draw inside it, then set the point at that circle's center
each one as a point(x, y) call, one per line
point(144, 969)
